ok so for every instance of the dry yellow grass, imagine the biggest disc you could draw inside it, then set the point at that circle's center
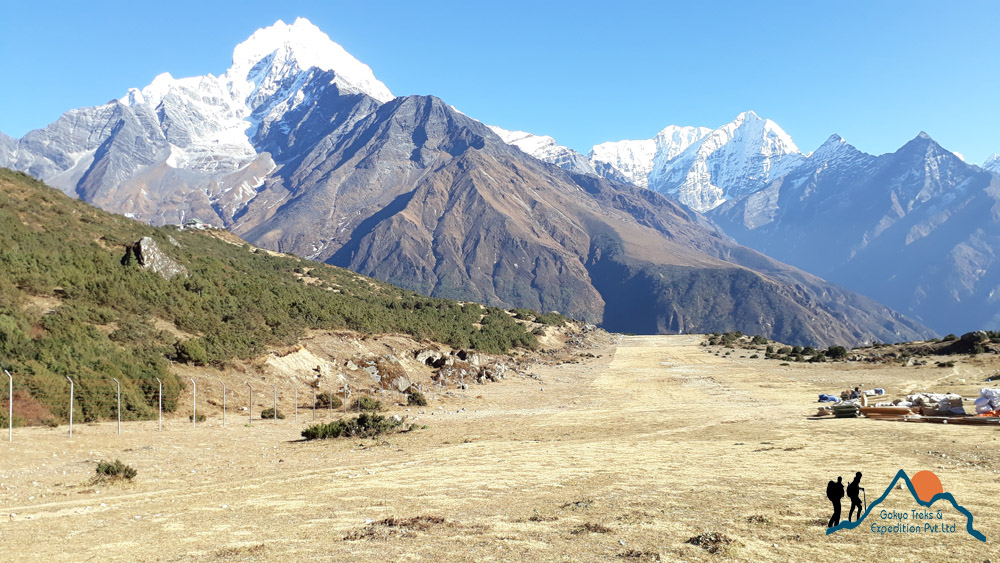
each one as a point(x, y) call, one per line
point(622, 458)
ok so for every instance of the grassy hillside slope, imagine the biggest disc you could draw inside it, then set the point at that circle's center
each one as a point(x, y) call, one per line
point(68, 307)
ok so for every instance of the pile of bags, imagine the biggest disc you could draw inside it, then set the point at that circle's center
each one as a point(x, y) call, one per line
point(934, 404)
point(846, 409)
point(988, 403)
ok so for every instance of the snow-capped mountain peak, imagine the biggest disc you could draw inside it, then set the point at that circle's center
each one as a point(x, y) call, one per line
point(701, 167)
point(545, 148)
point(538, 146)
point(635, 159)
point(993, 163)
point(296, 48)
point(210, 121)
point(737, 158)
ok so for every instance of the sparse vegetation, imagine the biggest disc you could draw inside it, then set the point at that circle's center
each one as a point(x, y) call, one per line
point(392, 526)
point(69, 307)
point(115, 471)
point(416, 399)
point(836, 352)
point(590, 528)
point(712, 542)
point(365, 403)
point(328, 400)
point(364, 426)
point(270, 413)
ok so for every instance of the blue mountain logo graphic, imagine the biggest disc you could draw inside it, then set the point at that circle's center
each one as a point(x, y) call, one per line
point(940, 496)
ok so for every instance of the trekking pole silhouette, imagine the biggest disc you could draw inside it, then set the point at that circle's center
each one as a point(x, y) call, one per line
point(865, 497)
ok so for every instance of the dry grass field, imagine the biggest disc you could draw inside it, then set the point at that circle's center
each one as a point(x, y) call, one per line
point(624, 457)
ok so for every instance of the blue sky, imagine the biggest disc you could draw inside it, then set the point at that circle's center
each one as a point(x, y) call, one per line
point(874, 72)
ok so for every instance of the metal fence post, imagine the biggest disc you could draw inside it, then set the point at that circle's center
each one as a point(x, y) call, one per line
point(223, 404)
point(10, 406)
point(314, 403)
point(275, 417)
point(119, 383)
point(296, 405)
point(194, 403)
point(250, 410)
point(70, 406)
point(160, 410)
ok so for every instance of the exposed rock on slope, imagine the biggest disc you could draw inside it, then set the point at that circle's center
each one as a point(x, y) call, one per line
point(149, 256)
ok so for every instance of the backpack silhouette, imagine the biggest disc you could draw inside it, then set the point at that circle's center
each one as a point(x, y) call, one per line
point(833, 492)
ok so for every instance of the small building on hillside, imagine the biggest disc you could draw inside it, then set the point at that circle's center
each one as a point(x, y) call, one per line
point(195, 224)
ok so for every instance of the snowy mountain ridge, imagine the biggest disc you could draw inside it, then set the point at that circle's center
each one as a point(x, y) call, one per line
point(992, 163)
point(220, 115)
point(699, 166)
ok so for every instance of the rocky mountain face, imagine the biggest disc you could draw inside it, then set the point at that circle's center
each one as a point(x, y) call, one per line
point(298, 148)
point(189, 147)
point(917, 229)
point(993, 163)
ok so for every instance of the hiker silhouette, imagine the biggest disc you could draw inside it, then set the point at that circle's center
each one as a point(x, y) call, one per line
point(835, 492)
point(854, 489)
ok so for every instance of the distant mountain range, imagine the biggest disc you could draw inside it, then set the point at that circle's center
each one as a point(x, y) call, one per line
point(297, 147)
point(915, 229)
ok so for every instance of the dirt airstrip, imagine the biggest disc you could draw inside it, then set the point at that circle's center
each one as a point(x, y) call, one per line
point(625, 457)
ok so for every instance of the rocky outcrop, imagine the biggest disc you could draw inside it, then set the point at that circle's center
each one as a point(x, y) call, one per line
point(149, 256)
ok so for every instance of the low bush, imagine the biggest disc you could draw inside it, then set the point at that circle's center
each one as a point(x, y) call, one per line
point(328, 400)
point(117, 471)
point(367, 404)
point(416, 399)
point(364, 426)
point(201, 418)
point(836, 352)
point(270, 413)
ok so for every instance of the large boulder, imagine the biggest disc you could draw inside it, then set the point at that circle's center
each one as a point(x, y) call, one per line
point(149, 256)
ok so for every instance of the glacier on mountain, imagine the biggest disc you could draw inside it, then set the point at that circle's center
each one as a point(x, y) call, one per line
point(192, 144)
point(993, 163)
point(699, 166)
point(546, 149)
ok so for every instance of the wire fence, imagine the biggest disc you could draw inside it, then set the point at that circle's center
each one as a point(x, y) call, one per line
point(348, 393)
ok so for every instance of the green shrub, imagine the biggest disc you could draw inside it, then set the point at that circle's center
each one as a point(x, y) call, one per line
point(328, 400)
point(551, 319)
point(365, 403)
point(270, 413)
point(416, 399)
point(201, 417)
point(758, 340)
point(949, 338)
point(364, 426)
point(192, 352)
point(836, 352)
point(117, 471)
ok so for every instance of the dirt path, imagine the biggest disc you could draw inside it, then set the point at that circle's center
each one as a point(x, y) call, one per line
point(622, 458)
